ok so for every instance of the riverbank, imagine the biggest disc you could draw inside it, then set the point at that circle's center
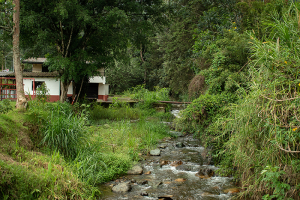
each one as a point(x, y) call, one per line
point(35, 165)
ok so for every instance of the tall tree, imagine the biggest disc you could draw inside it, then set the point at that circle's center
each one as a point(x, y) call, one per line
point(12, 8)
point(81, 36)
point(21, 100)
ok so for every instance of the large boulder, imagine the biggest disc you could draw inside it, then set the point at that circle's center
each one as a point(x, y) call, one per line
point(122, 188)
point(155, 152)
point(135, 170)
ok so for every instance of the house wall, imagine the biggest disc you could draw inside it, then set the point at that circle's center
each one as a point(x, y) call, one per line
point(70, 90)
point(102, 91)
point(52, 84)
point(97, 79)
point(37, 67)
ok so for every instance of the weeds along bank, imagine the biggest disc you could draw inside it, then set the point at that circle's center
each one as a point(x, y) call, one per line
point(254, 129)
point(59, 151)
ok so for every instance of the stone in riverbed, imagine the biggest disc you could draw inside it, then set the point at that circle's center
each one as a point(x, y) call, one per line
point(185, 168)
point(163, 162)
point(162, 146)
point(154, 184)
point(122, 188)
point(180, 180)
point(142, 182)
point(165, 197)
point(176, 163)
point(155, 152)
point(232, 190)
point(144, 193)
point(135, 170)
point(205, 173)
point(179, 145)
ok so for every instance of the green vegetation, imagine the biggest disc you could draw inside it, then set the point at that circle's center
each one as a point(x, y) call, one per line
point(249, 111)
point(56, 150)
point(237, 61)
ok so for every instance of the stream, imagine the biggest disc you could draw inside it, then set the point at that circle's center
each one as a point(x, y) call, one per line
point(183, 170)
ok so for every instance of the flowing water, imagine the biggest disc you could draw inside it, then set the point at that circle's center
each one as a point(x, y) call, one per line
point(175, 175)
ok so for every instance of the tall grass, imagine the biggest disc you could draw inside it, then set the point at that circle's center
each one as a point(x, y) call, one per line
point(261, 132)
point(65, 133)
point(114, 113)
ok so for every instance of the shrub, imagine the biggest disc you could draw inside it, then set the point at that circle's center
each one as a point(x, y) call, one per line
point(5, 106)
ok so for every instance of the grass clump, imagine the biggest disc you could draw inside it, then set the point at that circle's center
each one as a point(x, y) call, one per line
point(114, 113)
point(64, 131)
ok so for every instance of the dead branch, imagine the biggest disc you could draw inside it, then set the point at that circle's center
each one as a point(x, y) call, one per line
point(280, 100)
point(62, 38)
point(286, 150)
point(69, 42)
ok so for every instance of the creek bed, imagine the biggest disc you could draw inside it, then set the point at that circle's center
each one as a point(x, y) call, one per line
point(174, 175)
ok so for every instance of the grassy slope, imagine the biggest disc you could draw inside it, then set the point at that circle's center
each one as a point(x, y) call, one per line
point(29, 174)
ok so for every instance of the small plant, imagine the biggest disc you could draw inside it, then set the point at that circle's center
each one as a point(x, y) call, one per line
point(42, 93)
point(5, 106)
point(272, 177)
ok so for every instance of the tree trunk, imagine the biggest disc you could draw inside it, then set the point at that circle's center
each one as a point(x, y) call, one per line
point(21, 100)
point(64, 90)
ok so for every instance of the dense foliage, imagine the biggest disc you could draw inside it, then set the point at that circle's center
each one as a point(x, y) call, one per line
point(248, 113)
point(237, 61)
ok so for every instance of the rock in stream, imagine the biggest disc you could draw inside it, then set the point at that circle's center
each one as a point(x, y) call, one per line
point(174, 172)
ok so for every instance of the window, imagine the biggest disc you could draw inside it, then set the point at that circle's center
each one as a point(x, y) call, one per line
point(45, 68)
point(37, 84)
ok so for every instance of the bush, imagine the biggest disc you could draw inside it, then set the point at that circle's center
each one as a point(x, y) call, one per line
point(146, 97)
point(5, 106)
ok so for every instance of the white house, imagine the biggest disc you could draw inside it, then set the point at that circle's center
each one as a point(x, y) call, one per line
point(97, 88)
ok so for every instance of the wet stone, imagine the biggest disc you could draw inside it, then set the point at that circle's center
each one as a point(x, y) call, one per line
point(232, 190)
point(142, 182)
point(122, 188)
point(179, 145)
point(155, 152)
point(154, 184)
point(162, 146)
point(205, 172)
point(163, 162)
point(184, 168)
point(133, 181)
point(135, 170)
point(165, 197)
point(144, 193)
point(176, 163)
point(180, 180)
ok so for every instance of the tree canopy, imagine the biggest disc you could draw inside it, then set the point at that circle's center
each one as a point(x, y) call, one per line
point(80, 36)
